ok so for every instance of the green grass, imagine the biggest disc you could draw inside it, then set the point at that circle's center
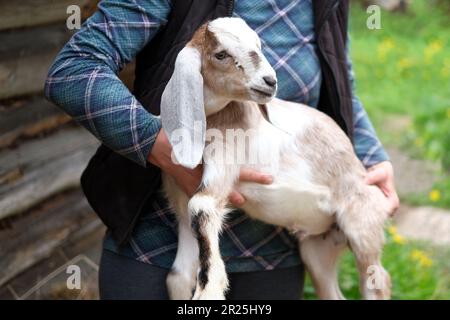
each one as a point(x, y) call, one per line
point(404, 68)
point(403, 72)
point(418, 271)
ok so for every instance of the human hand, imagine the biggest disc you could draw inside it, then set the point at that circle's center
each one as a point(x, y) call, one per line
point(161, 156)
point(189, 179)
point(382, 175)
point(248, 175)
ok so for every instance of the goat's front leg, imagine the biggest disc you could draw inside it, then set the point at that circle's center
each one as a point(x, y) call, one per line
point(207, 214)
point(181, 280)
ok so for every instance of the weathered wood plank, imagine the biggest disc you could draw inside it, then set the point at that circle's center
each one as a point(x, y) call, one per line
point(56, 222)
point(43, 167)
point(26, 55)
point(18, 43)
point(26, 13)
point(29, 118)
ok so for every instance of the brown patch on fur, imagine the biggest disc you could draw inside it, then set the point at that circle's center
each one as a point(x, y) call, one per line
point(198, 39)
point(211, 41)
point(236, 115)
point(203, 39)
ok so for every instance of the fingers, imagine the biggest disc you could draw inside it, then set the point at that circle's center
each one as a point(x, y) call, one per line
point(376, 175)
point(236, 198)
point(394, 202)
point(250, 175)
point(382, 175)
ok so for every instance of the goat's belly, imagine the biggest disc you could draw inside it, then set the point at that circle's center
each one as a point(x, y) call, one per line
point(306, 208)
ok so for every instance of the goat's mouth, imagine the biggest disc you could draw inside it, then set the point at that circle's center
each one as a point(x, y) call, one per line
point(264, 93)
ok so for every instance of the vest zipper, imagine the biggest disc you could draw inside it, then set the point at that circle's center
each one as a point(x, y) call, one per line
point(328, 14)
point(230, 7)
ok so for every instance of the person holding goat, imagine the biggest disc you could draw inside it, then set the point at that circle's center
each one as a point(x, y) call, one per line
point(305, 42)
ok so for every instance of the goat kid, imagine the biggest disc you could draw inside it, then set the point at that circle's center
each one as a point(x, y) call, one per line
point(222, 81)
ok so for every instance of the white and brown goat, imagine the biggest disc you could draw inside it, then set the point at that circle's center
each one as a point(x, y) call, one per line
point(222, 82)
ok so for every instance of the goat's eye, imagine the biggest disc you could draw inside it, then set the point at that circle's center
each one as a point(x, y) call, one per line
point(221, 55)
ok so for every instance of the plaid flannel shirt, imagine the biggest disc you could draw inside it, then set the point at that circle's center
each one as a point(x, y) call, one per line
point(83, 81)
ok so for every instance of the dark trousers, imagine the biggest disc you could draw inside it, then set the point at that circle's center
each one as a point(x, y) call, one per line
point(124, 278)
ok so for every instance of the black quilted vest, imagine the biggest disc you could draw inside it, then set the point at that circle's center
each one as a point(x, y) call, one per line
point(119, 189)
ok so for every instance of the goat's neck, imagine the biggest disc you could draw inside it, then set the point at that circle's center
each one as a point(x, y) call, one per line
point(224, 113)
point(236, 114)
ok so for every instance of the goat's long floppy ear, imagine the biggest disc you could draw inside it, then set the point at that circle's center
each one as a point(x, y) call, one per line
point(182, 109)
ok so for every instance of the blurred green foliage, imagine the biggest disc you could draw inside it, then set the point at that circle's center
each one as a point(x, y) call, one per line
point(403, 71)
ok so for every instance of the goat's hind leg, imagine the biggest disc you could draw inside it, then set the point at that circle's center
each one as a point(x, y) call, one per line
point(363, 225)
point(321, 257)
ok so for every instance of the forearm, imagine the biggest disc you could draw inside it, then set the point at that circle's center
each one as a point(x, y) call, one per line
point(98, 100)
point(83, 80)
point(367, 145)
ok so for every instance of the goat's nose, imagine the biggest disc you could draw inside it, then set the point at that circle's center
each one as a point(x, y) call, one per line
point(270, 81)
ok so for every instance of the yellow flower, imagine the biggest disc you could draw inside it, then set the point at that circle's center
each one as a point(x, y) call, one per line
point(436, 45)
point(384, 48)
point(432, 49)
point(421, 257)
point(398, 239)
point(392, 230)
point(405, 63)
point(426, 262)
point(435, 195)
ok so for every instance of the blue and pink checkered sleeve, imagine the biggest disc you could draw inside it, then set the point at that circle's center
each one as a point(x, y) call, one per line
point(83, 80)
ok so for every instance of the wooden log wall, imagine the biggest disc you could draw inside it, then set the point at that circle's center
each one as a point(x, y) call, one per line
point(42, 152)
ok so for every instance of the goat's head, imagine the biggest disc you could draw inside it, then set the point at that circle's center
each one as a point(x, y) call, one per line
point(222, 63)
point(233, 65)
